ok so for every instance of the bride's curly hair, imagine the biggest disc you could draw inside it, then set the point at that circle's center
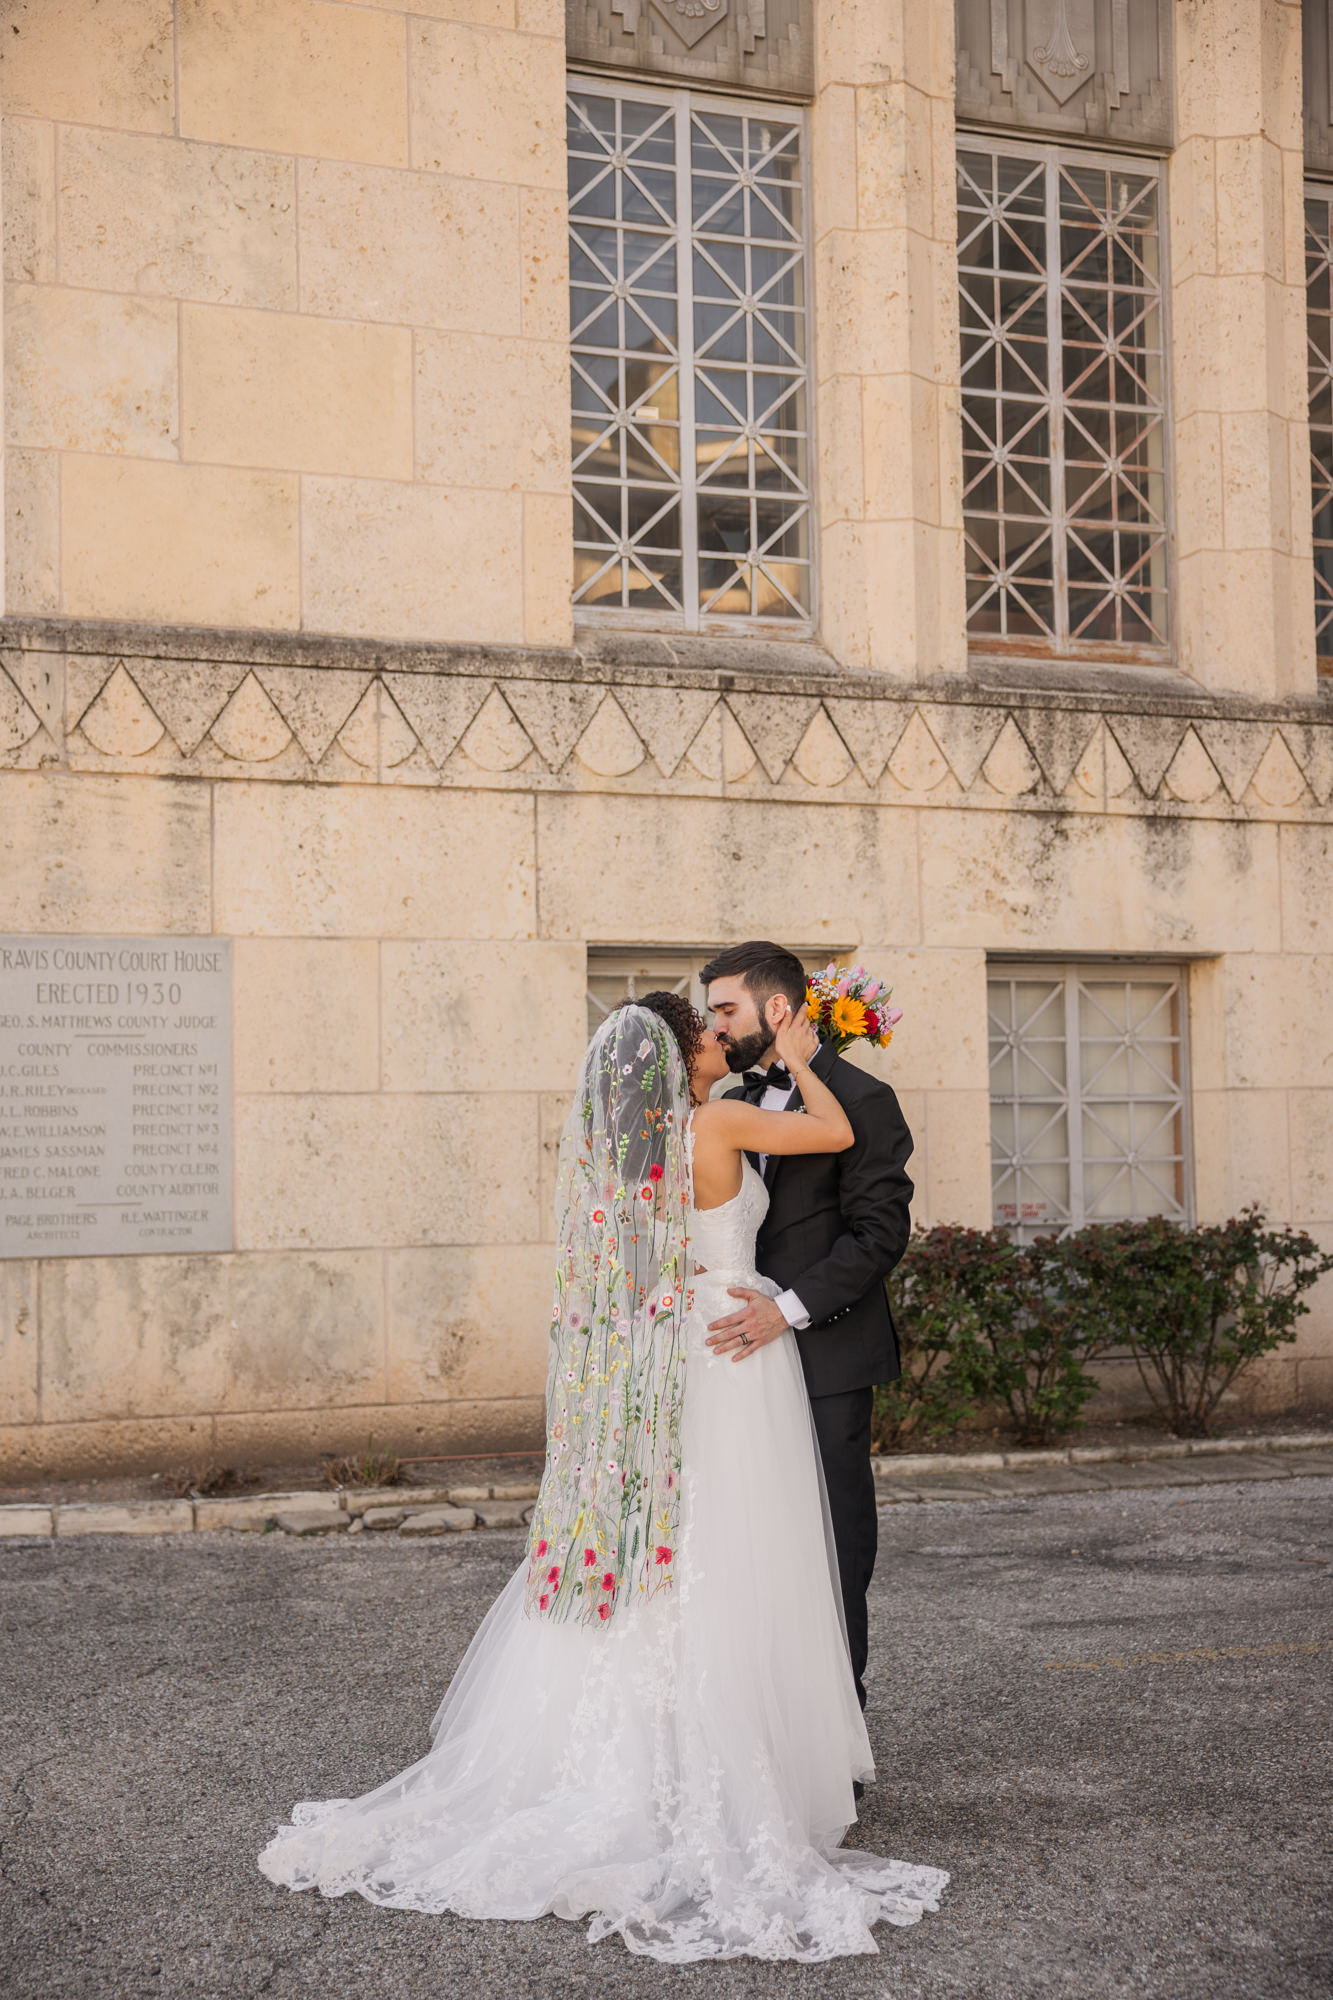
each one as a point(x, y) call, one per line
point(685, 1023)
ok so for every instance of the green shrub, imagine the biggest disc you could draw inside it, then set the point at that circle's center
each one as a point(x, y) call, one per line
point(946, 1366)
point(1042, 1328)
point(983, 1320)
point(1196, 1307)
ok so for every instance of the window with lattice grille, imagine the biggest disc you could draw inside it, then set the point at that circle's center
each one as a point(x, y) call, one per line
point(1319, 322)
point(1089, 1116)
point(689, 377)
point(1064, 400)
point(617, 973)
point(614, 976)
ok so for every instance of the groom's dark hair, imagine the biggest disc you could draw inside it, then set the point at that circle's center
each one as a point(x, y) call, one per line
point(763, 969)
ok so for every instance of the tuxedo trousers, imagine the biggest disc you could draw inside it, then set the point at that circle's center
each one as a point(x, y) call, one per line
point(842, 1427)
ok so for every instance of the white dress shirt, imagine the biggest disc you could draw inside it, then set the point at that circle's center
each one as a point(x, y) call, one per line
point(776, 1098)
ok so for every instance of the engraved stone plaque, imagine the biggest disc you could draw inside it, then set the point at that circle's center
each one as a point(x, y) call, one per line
point(115, 1095)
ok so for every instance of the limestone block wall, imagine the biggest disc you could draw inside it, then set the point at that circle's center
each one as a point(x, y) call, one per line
point(286, 315)
point(289, 658)
point(286, 325)
point(412, 849)
point(886, 348)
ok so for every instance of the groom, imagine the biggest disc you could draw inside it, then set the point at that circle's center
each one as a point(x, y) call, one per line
point(837, 1224)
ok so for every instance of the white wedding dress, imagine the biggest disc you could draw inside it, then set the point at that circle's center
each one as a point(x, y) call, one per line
point(682, 1775)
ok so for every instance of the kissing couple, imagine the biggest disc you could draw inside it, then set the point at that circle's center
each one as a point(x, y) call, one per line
point(658, 1725)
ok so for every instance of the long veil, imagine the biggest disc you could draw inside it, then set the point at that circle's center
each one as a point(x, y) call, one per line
point(604, 1527)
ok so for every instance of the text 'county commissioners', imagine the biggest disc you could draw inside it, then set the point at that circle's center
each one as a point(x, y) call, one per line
point(115, 1095)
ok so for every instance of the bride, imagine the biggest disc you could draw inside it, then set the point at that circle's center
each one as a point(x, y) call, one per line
point(656, 1725)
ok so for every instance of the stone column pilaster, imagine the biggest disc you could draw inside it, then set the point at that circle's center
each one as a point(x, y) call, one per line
point(886, 347)
point(1244, 614)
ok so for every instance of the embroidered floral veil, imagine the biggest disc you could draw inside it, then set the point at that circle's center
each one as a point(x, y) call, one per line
point(604, 1527)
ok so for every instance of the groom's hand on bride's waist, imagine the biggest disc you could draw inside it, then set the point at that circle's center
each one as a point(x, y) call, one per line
point(746, 1330)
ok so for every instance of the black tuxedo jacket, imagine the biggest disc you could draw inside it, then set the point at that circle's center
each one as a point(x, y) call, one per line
point(837, 1224)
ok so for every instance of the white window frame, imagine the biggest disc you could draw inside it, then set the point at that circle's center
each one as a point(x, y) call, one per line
point(690, 619)
point(1069, 1098)
point(1061, 645)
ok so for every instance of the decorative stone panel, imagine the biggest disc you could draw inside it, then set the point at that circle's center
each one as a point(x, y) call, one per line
point(750, 45)
point(1317, 76)
point(1087, 68)
point(657, 717)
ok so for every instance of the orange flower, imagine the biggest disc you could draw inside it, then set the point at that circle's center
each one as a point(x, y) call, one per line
point(849, 1016)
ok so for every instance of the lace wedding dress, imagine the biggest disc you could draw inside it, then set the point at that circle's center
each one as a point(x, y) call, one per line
point(682, 1775)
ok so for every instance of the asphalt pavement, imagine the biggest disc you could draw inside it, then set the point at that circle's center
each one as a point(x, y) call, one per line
point(1107, 1714)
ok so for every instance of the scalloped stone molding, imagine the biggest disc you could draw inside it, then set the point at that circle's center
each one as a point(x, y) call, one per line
point(641, 721)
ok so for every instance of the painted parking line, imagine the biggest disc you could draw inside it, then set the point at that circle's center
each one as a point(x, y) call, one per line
point(1191, 1653)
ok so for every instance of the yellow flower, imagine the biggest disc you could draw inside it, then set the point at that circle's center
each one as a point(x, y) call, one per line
point(849, 1016)
point(812, 1008)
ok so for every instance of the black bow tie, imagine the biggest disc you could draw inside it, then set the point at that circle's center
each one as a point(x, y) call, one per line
point(757, 1081)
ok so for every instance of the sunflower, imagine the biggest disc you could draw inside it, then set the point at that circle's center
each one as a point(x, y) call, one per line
point(849, 1016)
point(813, 1008)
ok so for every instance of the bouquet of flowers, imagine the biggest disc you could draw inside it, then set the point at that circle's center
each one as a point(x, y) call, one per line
point(847, 1005)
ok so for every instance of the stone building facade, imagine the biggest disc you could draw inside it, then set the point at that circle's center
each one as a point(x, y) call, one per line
point(946, 586)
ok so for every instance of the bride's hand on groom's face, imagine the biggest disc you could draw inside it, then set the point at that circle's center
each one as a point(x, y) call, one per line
point(743, 1333)
point(795, 1040)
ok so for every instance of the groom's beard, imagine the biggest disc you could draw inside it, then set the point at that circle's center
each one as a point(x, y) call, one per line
point(749, 1050)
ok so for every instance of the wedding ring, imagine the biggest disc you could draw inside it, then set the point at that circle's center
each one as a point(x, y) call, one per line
point(745, 1340)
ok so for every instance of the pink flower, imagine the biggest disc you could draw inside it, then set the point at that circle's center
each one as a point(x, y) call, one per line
point(892, 1015)
point(553, 1573)
point(542, 1547)
point(655, 1172)
point(589, 1558)
point(662, 1555)
point(543, 1603)
point(609, 1581)
point(604, 1611)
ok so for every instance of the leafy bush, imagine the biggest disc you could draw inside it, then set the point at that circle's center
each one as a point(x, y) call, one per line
point(946, 1367)
point(1196, 1307)
point(984, 1321)
point(1042, 1329)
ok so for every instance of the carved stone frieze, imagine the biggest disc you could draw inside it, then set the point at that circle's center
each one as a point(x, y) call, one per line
point(1086, 68)
point(639, 722)
point(759, 45)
